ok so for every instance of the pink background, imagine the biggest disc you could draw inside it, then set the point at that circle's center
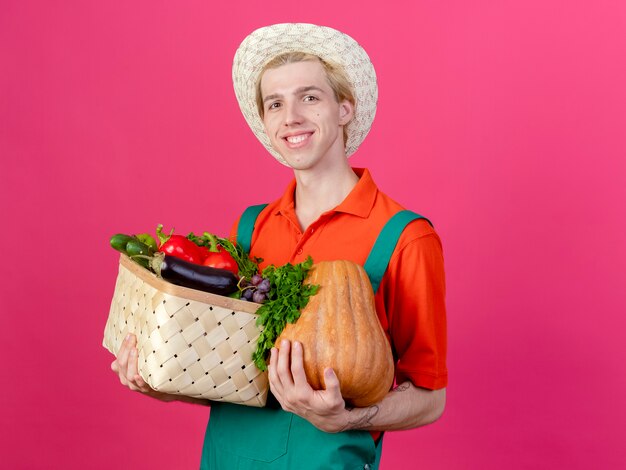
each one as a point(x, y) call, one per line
point(504, 122)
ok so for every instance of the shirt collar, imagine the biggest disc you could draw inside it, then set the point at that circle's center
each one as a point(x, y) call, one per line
point(359, 202)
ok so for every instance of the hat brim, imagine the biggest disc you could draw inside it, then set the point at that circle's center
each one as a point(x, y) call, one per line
point(331, 45)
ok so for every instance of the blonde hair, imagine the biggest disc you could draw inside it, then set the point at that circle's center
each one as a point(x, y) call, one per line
point(337, 79)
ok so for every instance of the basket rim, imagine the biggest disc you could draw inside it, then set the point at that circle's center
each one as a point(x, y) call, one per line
point(185, 292)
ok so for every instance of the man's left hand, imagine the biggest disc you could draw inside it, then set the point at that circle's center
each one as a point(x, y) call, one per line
point(325, 409)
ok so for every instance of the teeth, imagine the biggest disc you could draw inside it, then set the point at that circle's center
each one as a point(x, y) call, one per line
point(296, 139)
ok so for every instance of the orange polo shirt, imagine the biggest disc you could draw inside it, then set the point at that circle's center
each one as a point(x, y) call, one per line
point(410, 300)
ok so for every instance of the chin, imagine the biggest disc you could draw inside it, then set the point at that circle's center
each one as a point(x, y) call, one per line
point(299, 163)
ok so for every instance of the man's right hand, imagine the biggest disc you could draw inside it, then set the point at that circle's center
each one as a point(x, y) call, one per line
point(126, 367)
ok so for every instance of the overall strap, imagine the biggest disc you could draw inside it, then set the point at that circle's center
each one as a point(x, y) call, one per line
point(246, 225)
point(381, 252)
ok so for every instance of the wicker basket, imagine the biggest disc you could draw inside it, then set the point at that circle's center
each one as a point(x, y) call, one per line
point(189, 342)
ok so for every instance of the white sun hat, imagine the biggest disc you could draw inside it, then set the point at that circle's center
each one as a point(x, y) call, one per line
point(331, 45)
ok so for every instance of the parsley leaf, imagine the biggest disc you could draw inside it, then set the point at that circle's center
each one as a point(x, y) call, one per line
point(287, 296)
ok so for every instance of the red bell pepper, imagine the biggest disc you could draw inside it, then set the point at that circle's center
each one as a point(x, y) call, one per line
point(179, 246)
point(217, 256)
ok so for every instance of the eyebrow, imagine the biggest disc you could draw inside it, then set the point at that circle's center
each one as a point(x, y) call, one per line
point(298, 91)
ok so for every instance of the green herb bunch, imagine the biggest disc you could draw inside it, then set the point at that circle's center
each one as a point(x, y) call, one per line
point(247, 267)
point(287, 297)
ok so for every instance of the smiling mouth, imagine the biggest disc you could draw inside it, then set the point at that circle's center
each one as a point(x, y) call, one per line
point(297, 140)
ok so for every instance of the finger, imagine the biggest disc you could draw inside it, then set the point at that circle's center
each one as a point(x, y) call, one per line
point(283, 365)
point(129, 375)
point(297, 365)
point(331, 382)
point(131, 370)
point(122, 354)
point(332, 393)
point(124, 343)
point(141, 385)
point(131, 365)
point(119, 364)
point(275, 383)
point(135, 380)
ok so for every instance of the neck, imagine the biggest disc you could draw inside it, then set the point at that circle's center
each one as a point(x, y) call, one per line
point(322, 190)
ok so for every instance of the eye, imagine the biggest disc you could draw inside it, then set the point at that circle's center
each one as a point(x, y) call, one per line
point(273, 105)
point(310, 98)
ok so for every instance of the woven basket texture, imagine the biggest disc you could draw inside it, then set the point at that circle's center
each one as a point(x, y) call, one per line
point(189, 342)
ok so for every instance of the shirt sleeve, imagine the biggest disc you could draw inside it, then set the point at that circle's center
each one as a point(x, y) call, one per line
point(413, 298)
point(233, 230)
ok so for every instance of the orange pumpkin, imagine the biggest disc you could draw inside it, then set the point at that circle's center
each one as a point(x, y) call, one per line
point(339, 328)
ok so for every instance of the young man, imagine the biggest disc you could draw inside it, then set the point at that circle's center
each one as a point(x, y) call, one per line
point(309, 94)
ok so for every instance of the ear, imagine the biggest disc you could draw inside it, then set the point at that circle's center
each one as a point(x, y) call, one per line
point(346, 112)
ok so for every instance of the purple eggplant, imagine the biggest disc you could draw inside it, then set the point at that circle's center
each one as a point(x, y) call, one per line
point(195, 276)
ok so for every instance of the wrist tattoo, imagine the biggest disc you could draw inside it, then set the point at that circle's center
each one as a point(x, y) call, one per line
point(402, 387)
point(363, 421)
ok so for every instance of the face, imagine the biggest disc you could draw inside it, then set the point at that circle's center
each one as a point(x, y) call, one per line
point(302, 118)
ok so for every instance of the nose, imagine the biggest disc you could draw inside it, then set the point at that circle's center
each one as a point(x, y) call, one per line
point(292, 114)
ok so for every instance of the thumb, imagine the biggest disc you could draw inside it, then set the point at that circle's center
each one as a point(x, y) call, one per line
point(331, 381)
